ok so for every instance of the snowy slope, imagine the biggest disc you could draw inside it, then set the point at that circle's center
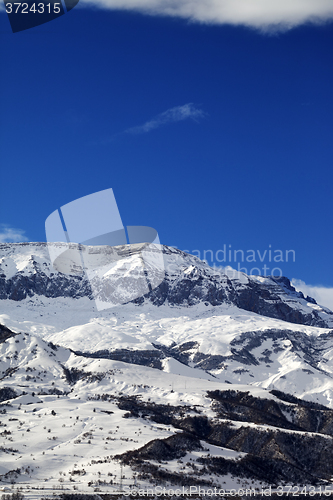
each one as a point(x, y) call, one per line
point(53, 439)
point(229, 342)
point(106, 378)
point(26, 271)
point(75, 421)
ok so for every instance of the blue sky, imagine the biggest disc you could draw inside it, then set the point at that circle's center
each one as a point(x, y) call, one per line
point(213, 130)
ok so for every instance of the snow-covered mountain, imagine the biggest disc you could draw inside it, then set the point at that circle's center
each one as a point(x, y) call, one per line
point(26, 271)
point(241, 329)
point(164, 362)
point(82, 423)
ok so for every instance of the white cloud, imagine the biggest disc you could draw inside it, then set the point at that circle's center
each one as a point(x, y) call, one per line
point(322, 295)
point(261, 14)
point(177, 114)
point(11, 235)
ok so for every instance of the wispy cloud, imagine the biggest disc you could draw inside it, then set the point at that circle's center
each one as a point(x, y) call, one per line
point(261, 14)
point(11, 235)
point(322, 295)
point(177, 114)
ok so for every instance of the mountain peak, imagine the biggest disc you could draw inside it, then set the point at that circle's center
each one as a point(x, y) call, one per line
point(26, 271)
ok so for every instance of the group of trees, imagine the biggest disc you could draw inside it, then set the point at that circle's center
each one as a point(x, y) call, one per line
point(13, 496)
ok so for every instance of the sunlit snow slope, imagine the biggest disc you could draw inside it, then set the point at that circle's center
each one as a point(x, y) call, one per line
point(239, 329)
point(185, 385)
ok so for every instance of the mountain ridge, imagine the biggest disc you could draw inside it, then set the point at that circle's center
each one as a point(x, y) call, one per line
point(176, 324)
point(181, 386)
point(107, 415)
point(194, 281)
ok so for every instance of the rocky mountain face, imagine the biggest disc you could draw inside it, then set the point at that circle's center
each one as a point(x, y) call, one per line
point(26, 271)
point(86, 421)
point(237, 328)
point(270, 452)
point(213, 378)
